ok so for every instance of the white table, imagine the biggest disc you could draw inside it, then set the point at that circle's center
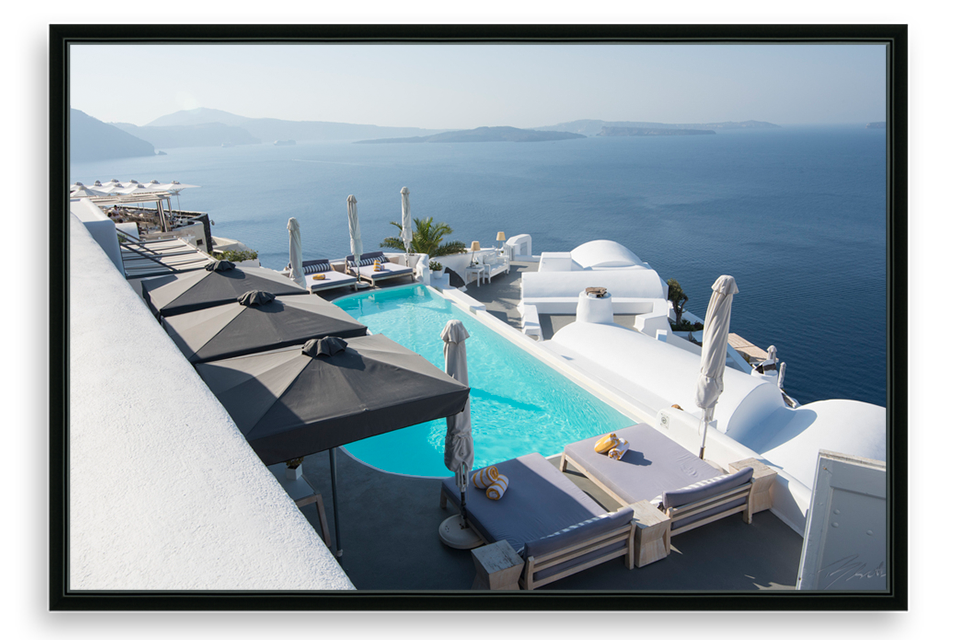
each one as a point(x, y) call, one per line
point(302, 493)
point(477, 270)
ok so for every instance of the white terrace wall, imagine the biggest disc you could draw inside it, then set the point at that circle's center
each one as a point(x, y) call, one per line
point(164, 491)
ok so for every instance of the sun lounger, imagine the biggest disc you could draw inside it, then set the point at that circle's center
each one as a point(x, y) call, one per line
point(555, 527)
point(331, 279)
point(690, 492)
point(366, 269)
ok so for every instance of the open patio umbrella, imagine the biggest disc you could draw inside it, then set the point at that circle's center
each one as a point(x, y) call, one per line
point(219, 283)
point(82, 191)
point(458, 445)
point(356, 242)
point(296, 253)
point(258, 321)
point(175, 187)
point(298, 401)
point(713, 356)
point(406, 221)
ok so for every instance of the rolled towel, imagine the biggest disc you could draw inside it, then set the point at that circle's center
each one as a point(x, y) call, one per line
point(498, 488)
point(606, 443)
point(320, 276)
point(621, 448)
point(485, 477)
point(376, 265)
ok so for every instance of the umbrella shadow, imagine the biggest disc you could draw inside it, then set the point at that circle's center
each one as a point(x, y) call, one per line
point(635, 458)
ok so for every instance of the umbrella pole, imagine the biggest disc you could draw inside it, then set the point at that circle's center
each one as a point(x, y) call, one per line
point(703, 439)
point(333, 484)
point(462, 481)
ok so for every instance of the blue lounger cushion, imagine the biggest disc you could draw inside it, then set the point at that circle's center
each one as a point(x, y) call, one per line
point(580, 532)
point(653, 464)
point(388, 269)
point(704, 490)
point(540, 502)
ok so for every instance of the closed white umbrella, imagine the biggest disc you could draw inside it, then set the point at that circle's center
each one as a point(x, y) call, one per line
point(406, 231)
point(296, 253)
point(356, 243)
point(458, 445)
point(713, 357)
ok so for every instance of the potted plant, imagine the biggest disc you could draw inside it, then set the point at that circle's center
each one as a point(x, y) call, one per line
point(436, 272)
point(294, 470)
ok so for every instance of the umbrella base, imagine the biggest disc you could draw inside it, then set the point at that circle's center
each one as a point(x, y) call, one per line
point(455, 535)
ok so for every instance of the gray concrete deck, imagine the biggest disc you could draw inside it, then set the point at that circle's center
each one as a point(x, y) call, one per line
point(389, 523)
point(389, 536)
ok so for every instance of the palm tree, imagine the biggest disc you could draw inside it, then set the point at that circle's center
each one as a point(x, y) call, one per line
point(427, 238)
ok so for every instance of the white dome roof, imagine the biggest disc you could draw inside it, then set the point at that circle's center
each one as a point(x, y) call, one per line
point(605, 254)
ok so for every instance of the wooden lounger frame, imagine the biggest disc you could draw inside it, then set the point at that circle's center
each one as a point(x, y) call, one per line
point(532, 565)
point(748, 491)
point(355, 271)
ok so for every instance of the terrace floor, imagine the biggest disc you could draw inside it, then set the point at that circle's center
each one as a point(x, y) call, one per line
point(389, 523)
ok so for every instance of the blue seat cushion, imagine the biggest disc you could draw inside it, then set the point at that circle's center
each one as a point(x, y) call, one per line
point(539, 501)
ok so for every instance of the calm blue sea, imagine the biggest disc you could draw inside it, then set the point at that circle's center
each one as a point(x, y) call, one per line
point(797, 215)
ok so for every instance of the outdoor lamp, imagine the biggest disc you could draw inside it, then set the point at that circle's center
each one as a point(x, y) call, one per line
point(475, 246)
point(500, 238)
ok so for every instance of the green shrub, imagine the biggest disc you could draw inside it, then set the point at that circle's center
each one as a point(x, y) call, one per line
point(236, 256)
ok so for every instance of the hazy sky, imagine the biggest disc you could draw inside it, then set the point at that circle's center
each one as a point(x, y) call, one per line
point(466, 86)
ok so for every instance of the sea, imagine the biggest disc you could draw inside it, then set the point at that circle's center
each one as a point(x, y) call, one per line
point(797, 215)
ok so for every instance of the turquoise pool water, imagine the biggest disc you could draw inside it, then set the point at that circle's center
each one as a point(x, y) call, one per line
point(518, 405)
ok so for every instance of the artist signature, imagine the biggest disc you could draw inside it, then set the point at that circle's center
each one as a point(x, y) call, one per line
point(850, 568)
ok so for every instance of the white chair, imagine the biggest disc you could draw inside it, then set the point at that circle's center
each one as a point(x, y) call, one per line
point(487, 268)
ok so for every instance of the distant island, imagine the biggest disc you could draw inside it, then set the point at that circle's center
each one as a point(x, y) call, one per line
point(91, 139)
point(485, 134)
point(594, 127)
point(876, 125)
point(632, 131)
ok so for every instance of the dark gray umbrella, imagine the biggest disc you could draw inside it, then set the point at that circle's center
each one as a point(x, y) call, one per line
point(257, 321)
point(219, 283)
point(299, 401)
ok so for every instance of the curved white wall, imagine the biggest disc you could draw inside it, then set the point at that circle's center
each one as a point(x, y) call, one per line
point(750, 411)
point(164, 491)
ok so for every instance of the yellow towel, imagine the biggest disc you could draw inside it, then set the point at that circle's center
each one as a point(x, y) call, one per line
point(376, 265)
point(621, 448)
point(498, 488)
point(606, 443)
point(485, 477)
point(319, 276)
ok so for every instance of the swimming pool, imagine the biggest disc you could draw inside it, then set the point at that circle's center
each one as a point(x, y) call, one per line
point(518, 404)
